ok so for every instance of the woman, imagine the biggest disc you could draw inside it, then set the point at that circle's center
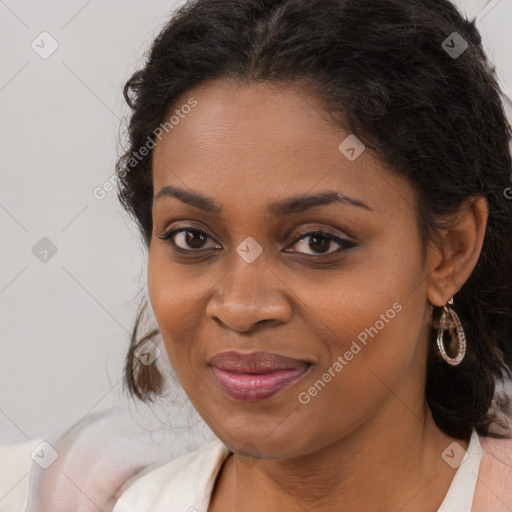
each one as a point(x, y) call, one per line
point(323, 188)
point(325, 207)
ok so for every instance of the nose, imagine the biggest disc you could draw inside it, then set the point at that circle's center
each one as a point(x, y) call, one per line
point(249, 295)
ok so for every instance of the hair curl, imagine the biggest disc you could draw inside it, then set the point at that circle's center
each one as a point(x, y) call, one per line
point(378, 67)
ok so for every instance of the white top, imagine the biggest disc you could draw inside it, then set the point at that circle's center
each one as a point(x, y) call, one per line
point(186, 483)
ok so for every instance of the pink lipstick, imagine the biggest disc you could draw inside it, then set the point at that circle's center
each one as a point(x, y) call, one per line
point(255, 376)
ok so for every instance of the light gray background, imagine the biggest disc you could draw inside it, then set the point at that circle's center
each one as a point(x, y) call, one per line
point(64, 324)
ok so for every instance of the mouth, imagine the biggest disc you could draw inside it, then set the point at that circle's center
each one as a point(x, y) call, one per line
point(255, 376)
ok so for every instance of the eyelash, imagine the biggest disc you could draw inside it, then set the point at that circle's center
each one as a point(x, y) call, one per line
point(344, 244)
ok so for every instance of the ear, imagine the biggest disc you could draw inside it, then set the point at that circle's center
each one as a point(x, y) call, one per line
point(452, 259)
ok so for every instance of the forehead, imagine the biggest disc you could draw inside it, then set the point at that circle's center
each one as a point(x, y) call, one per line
point(261, 142)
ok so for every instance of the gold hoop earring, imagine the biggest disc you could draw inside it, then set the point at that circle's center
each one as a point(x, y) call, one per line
point(461, 351)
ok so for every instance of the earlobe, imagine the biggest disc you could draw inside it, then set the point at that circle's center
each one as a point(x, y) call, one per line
point(452, 260)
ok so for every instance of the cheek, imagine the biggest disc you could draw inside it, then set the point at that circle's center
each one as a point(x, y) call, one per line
point(371, 315)
point(364, 360)
point(173, 289)
point(358, 331)
point(177, 296)
point(168, 299)
point(160, 291)
point(357, 303)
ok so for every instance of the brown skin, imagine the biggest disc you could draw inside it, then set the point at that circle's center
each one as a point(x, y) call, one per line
point(367, 441)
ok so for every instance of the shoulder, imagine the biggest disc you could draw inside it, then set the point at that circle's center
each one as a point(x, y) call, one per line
point(499, 449)
point(493, 491)
point(182, 484)
point(496, 455)
point(15, 467)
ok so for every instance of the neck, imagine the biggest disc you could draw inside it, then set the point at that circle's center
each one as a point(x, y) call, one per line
point(385, 465)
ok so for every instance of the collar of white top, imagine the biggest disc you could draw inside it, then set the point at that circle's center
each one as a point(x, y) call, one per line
point(459, 497)
point(187, 482)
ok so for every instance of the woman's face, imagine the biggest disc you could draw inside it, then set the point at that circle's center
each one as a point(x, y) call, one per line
point(345, 319)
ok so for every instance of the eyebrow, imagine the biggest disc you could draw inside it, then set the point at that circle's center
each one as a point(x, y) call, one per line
point(283, 207)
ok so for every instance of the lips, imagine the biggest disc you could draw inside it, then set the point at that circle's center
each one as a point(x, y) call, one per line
point(257, 375)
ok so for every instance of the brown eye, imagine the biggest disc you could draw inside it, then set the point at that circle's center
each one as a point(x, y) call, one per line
point(186, 239)
point(319, 242)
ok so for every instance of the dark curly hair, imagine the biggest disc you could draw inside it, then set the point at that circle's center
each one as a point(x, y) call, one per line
point(380, 68)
